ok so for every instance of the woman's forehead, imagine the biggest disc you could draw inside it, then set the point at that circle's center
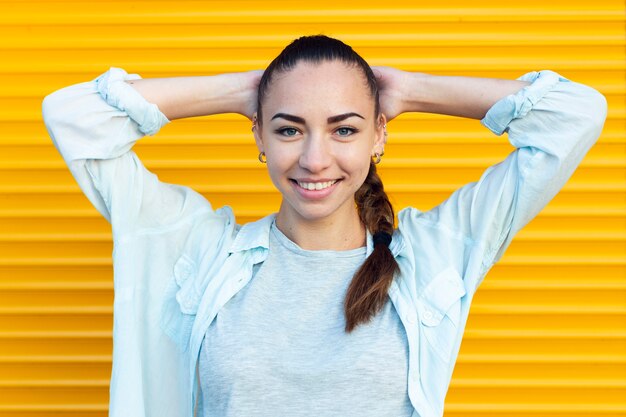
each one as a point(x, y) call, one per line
point(332, 85)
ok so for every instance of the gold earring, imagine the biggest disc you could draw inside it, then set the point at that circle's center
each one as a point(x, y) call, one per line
point(262, 157)
point(376, 158)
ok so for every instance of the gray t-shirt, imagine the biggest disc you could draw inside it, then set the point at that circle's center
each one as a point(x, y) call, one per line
point(278, 347)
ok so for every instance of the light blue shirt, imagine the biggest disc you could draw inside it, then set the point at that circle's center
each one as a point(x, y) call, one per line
point(177, 261)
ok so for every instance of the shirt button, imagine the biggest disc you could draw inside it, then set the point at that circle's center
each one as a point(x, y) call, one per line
point(428, 315)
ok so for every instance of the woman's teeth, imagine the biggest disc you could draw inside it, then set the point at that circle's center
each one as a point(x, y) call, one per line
point(316, 185)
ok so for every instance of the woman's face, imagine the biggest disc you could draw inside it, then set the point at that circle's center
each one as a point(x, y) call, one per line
point(319, 131)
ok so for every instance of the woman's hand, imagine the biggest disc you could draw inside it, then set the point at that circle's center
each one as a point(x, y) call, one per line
point(249, 85)
point(393, 85)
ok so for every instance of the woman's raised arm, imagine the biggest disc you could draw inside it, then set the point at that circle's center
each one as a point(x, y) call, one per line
point(472, 97)
point(95, 124)
point(551, 122)
point(182, 97)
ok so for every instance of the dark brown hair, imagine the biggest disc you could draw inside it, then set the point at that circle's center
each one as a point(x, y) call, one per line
point(367, 292)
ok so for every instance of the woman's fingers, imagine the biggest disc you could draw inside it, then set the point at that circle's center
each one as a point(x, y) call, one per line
point(249, 87)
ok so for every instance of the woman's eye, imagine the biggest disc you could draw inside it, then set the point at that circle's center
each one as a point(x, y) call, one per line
point(345, 131)
point(288, 131)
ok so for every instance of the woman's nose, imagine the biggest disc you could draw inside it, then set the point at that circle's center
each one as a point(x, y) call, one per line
point(315, 156)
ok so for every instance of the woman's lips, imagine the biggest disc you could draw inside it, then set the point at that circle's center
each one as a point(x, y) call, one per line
point(314, 190)
point(316, 185)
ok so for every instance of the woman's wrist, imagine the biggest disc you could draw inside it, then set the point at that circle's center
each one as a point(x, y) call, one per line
point(223, 93)
point(416, 93)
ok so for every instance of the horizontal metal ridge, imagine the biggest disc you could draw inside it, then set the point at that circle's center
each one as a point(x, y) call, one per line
point(56, 261)
point(85, 334)
point(529, 359)
point(44, 383)
point(192, 12)
point(547, 358)
point(600, 211)
point(46, 408)
point(55, 359)
point(544, 236)
point(211, 138)
point(147, 42)
point(599, 187)
point(228, 65)
point(574, 259)
point(456, 382)
point(547, 235)
point(513, 285)
point(488, 285)
point(547, 334)
point(588, 310)
point(464, 409)
point(537, 383)
point(477, 309)
point(470, 333)
point(39, 310)
point(58, 286)
point(390, 163)
point(529, 408)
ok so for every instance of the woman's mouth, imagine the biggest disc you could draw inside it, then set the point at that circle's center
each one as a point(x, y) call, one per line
point(316, 186)
point(314, 190)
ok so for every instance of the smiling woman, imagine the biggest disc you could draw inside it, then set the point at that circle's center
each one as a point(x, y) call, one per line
point(324, 308)
point(315, 135)
point(326, 165)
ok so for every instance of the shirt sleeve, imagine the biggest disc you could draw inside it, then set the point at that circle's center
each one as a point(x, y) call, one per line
point(94, 125)
point(552, 123)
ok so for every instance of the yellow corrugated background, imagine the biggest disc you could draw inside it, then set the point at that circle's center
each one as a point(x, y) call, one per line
point(547, 332)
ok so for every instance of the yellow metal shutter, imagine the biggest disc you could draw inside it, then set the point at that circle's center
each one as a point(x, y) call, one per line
point(547, 332)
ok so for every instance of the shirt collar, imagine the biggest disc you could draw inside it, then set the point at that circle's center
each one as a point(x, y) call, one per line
point(253, 235)
point(257, 235)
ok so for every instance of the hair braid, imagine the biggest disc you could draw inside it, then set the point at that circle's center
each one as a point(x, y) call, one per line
point(367, 293)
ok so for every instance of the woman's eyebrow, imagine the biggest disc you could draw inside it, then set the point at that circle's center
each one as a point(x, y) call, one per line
point(340, 117)
point(330, 120)
point(290, 117)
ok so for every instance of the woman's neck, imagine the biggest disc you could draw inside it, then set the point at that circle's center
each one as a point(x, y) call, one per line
point(333, 233)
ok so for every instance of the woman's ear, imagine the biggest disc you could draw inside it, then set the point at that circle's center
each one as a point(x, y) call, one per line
point(381, 135)
point(256, 130)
